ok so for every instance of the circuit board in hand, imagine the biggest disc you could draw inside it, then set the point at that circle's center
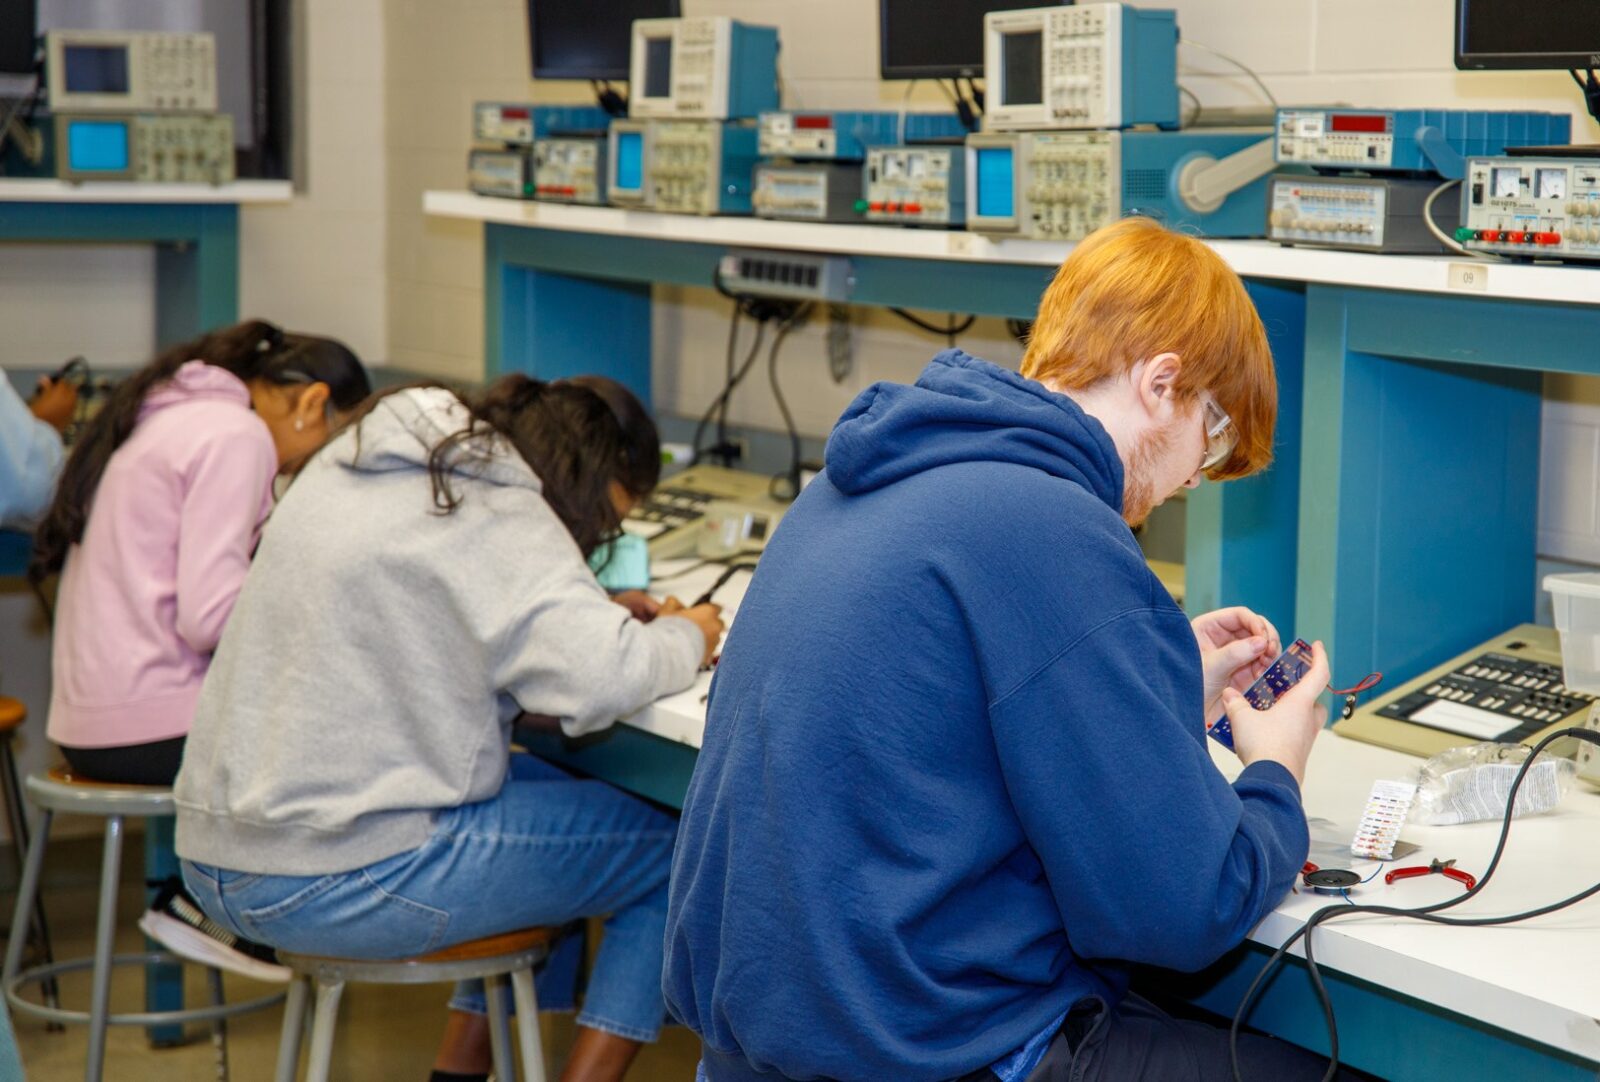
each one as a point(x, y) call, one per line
point(1281, 675)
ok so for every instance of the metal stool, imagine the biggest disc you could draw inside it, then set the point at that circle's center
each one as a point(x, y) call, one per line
point(12, 715)
point(494, 959)
point(59, 791)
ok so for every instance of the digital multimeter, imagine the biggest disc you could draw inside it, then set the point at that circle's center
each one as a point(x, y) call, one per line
point(1281, 675)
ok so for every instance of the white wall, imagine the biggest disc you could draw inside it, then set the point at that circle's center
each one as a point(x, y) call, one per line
point(315, 263)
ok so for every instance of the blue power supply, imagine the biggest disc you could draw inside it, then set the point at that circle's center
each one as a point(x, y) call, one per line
point(824, 136)
point(518, 124)
point(1414, 142)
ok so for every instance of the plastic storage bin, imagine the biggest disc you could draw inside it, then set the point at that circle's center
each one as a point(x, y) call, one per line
point(1576, 601)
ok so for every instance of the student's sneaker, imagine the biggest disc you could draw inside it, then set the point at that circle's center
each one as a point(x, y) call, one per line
point(175, 921)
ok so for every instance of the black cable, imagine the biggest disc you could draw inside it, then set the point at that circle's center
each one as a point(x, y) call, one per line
point(949, 330)
point(1591, 91)
point(793, 473)
point(1424, 913)
point(976, 94)
point(733, 381)
point(722, 580)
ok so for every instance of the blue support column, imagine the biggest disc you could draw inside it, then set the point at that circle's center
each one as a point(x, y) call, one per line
point(1240, 546)
point(1419, 475)
point(197, 281)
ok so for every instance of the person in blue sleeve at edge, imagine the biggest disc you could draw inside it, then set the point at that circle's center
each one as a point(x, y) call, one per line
point(955, 777)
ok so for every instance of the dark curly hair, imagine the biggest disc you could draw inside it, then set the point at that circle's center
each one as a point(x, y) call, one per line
point(252, 350)
point(578, 435)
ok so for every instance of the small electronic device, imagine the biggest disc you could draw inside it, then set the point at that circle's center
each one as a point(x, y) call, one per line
point(518, 124)
point(915, 185)
point(1065, 185)
point(570, 169)
point(682, 166)
point(1086, 66)
point(506, 173)
point(933, 39)
point(1420, 142)
point(733, 529)
point(788, 275)
point(1557, 34)
point(1508, 689)
point(1284, 673)
point(160, 148)
point(708, 68)
point(587, 39)
point(671, 518)
point(807, 191)
point(121, 71)
point(1357, 213)
point(1537, 208)
point(840, 137)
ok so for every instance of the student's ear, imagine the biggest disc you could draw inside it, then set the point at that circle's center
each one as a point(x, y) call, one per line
point(1157, 382)
point(312, 405)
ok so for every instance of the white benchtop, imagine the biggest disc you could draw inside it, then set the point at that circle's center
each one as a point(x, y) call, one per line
point(105, 191)
point(1563, 283)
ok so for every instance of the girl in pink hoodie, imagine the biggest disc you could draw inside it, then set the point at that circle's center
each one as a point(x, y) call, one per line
point(152, 527)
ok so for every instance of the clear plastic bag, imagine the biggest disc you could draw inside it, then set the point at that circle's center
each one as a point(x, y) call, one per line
point(1469, 784)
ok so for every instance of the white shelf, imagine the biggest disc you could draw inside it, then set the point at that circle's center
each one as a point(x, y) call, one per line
point(61, 191)
point(1561, 284)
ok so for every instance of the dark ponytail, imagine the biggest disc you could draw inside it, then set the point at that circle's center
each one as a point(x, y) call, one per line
point(252, 350)
point(578, 435)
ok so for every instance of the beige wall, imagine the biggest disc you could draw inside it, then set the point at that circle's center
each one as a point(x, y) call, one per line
point(316, 263)
point(443, 56)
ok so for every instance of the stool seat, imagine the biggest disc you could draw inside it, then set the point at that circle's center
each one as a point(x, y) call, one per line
point(61, 790)
point(464, 961)
point(12, 714)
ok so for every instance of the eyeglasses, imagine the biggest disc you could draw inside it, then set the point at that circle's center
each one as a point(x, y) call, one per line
point(1221, 435)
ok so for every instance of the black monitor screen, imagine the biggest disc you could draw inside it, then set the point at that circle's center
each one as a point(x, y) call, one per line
point(96, 69)
point(588, 39)
point(935, 39)
point(1022, 63)
point(17, 33)
point(657, 68)
point(1516, 34)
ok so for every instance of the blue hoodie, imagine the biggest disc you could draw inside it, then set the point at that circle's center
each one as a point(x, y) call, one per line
point(955, 773)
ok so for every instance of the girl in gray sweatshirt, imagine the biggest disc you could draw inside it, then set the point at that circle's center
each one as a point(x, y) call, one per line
point(348, 789)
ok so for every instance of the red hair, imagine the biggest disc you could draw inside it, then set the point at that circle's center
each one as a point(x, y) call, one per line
point(1134, 290)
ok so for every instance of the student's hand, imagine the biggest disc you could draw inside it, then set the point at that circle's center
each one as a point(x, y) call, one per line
point(55, 402)
point(1284, 733)
point(643, 607)
point(1236, 646)
point(708, 618)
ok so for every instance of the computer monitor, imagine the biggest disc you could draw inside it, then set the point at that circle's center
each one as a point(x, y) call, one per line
point(18, 31)
point(588, 39)
point(935, 39)
point(1517, 35)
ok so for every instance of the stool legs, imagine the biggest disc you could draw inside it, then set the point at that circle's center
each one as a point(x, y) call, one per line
point(494, 990)
point(27, 892)
point(528, 1025)
point(324, 1019)
point(104, 937)
point(294, 1028)
point(17, 823)
point(219, 1028)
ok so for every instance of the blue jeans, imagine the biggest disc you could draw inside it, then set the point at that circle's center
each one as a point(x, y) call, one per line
point(547, 849)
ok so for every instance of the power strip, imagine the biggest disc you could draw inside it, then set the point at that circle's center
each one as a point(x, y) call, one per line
point(788, 275)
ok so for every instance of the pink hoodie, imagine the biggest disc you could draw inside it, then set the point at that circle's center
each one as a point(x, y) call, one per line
point(145, 595)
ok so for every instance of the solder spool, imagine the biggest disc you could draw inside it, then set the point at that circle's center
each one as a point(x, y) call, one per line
point(1331, 880)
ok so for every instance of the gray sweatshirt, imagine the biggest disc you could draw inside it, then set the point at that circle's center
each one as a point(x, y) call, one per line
point(380, 649)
